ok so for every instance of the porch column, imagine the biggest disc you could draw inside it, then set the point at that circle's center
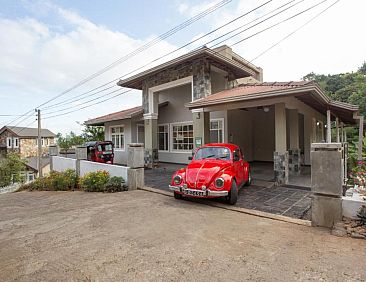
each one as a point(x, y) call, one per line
point(360, 140)
point(201, 128)
point(151, 141)
point(150, 103)
point(280, 158)
point(294, 151)
point(337, 130)
point(308, 137)
point(342, 132)
point(329, 129)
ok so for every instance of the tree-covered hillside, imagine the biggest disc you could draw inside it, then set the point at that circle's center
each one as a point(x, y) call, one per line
point(344, 87)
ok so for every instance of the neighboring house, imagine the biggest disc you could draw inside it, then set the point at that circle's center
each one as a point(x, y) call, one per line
point(214, 95)
point(32, 167)
point(24, 140)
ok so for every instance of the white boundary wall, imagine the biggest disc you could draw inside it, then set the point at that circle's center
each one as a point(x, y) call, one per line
point(61, 164)
point(114, 170)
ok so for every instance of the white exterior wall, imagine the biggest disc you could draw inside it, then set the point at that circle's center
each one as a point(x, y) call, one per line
point(176, 112)
point(120, 155)
point(61, 164)
point(114, 170)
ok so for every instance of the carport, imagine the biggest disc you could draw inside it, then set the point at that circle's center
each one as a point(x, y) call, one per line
point(275, 124)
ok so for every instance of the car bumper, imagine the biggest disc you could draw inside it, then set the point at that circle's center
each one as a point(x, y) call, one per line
point(207, 193)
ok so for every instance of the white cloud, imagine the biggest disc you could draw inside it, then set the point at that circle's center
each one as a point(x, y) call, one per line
point(38, 61)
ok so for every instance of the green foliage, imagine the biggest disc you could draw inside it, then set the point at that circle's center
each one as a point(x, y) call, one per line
point(115, 184)
point(344, 87)
point(11, 168)
point(93, 133)
point(94, 181)
point(55, 181)
point(101, 181)
point(90, 133)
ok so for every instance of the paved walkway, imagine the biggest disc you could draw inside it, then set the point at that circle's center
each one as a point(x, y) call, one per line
point(260, 196)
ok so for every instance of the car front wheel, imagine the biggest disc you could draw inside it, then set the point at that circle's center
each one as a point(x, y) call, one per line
point(233, 194)
point(177, 196)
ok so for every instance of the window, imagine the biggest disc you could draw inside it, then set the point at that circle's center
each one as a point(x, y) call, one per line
point(16, 142)
point(118, 137)
point(217, 131)
point(163, 137)
point(140, 133)
point(9, 143)
point(182, 137)
point(42, 142)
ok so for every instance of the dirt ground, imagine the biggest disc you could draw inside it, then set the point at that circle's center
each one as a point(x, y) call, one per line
point(143, 236)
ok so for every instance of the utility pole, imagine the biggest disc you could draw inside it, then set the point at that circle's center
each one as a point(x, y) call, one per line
point(39, 155)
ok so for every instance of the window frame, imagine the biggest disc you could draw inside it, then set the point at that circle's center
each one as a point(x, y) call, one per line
point(16, 142)
point(9, 142)
point(119, 134)
point(222, 120)
point(168, 141)
point(183, 123)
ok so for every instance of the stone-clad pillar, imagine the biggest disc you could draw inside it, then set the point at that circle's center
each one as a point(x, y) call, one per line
point(201, 88)
point(280, 158)
point(294, 152)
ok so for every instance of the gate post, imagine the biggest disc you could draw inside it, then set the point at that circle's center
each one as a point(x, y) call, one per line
point(326, 183)
point(81, 154)
point(135, 163)
point(53, 151)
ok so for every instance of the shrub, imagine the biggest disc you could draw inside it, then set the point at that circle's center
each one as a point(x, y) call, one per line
point(94, 181)
point(115, 184)
point(55, 181)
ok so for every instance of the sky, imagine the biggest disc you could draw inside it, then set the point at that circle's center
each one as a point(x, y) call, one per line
point(48, 47)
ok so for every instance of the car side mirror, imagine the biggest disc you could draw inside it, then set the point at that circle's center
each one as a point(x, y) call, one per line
point(236, 158)
point(190, 158)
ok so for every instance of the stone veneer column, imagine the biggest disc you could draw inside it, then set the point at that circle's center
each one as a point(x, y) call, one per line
point(201, 88)
point(294, 153)
point(280, 157)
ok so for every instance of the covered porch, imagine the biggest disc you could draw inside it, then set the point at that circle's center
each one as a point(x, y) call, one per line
point(275, 124)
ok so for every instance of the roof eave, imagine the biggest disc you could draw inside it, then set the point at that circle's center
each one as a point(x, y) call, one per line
point(134, 80)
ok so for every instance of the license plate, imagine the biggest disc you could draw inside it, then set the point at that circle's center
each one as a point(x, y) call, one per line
point(194, 192)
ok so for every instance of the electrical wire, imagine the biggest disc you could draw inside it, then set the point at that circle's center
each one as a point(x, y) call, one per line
point(276, 24)
point(168, 54)
point(293, 32)
point(140, 49)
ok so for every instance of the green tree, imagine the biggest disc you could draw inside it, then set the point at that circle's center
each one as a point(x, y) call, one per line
point(93, 133)
point(11, 168)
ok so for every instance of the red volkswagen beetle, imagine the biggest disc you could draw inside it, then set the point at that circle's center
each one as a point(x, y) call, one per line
point(216, 170)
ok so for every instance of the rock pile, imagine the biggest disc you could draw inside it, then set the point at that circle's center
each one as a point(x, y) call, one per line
point(351, 228)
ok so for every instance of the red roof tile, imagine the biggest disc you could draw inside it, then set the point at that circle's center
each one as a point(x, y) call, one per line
point(125, 114)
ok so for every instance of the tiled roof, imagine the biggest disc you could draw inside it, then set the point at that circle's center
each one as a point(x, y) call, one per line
point(125, 114)
point(28, 131)
point(254, 88)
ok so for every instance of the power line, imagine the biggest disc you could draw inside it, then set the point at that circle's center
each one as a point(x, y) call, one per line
point(262, 21)
point(170, 53)
point(293, 32)
point(140, 49)
point(282, 21)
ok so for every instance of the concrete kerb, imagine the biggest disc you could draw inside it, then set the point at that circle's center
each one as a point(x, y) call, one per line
point(240, 210)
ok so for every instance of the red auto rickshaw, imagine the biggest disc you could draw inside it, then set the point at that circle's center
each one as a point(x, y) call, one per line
point(100, 151)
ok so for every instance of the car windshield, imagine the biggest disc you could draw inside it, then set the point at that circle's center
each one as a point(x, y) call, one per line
point(105, 147)
point(213, 153)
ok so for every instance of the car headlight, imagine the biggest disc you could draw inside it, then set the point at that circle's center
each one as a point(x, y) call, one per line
point(177, 179)
point(219, 182)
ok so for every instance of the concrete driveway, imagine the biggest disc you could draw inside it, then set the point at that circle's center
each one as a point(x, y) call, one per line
point(143, 236)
